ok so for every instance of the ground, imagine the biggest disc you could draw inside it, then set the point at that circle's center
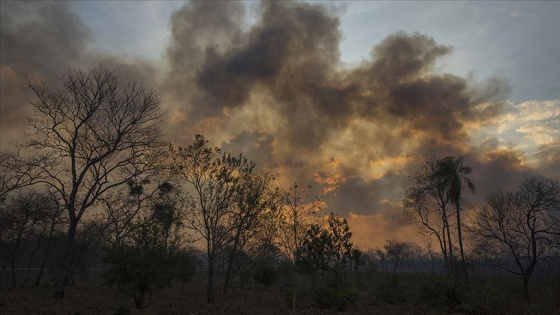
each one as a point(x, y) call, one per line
point(94, 297)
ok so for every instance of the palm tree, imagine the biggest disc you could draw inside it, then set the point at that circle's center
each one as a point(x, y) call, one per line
point(454, 171)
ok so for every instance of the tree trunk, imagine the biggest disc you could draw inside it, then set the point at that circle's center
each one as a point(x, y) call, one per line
point(460, 235)
point(35, 248)
point(43, 264)
point(14, 258)
point(210, 284)
point(66, 261)
point(230, 264)
point(14, 270)
point(451, 258)
point(526, 288)
point(46, 256)
point(443, 245)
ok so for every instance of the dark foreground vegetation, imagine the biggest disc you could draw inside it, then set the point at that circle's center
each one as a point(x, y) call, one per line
point(375, 293)
point(94, 202)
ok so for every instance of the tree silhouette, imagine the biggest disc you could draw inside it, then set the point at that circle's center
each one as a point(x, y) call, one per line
point(256, 195)
point(16, 172)
point(93, 133)
point(515, 231)
point(454, 172)
point(426, 202)
point(216, 181)
point(327, 247)
point(149, 255)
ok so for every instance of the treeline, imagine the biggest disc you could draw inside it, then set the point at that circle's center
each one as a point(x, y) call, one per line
point(94, 178)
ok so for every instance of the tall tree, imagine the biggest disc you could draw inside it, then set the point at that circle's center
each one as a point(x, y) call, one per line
point(215, 180)
point(297, 215)
point(515, 231)
point(454, 172)
point(426, 203)
point(255, 196)
point(296, 219)
point(94, 132)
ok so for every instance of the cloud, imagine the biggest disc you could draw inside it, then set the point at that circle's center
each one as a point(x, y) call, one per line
point(38, 39)
point(278, 92)
point(43, 40)
point(359, 196)
point(253, 145)
point(223, 76)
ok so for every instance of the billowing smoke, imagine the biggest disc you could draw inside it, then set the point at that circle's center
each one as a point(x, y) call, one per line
point(42, 40)
point(276, 90)
point(38, 39)
point(283, 77)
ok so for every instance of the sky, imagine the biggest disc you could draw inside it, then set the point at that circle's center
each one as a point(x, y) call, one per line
point(348, 97)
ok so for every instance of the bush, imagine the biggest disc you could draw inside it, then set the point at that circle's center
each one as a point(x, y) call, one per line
point(265, 275)
point(391, 291)
point(439, 294)
point(122, 311)
point(334, 297)
point(289, 297)
point(185, 265)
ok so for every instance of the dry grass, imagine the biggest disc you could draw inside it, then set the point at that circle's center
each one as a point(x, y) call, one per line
point(96, 298)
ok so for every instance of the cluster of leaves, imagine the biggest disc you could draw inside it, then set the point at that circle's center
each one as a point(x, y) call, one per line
point(335, 295)
point(327, 248)
point(150, 256)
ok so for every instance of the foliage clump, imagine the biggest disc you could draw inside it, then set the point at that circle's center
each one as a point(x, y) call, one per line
point(150, 256)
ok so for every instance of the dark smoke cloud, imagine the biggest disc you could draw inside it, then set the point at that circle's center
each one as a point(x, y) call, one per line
point(292, 55)
point(199, 30)
point(42, 37)
point(254, 146)
point(392, 106)
point(367, 197)
point(38, 39)
point(42, 40)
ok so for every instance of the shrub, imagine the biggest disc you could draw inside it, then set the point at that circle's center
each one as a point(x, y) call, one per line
point(391, 291)
point(438, 294)
point(334, 297)
point(122, 311)
point(265, 275)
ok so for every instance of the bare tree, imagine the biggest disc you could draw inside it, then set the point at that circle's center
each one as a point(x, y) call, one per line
point(216, 181)
point(93, 133)
point(16, 173)
point(515, 231)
